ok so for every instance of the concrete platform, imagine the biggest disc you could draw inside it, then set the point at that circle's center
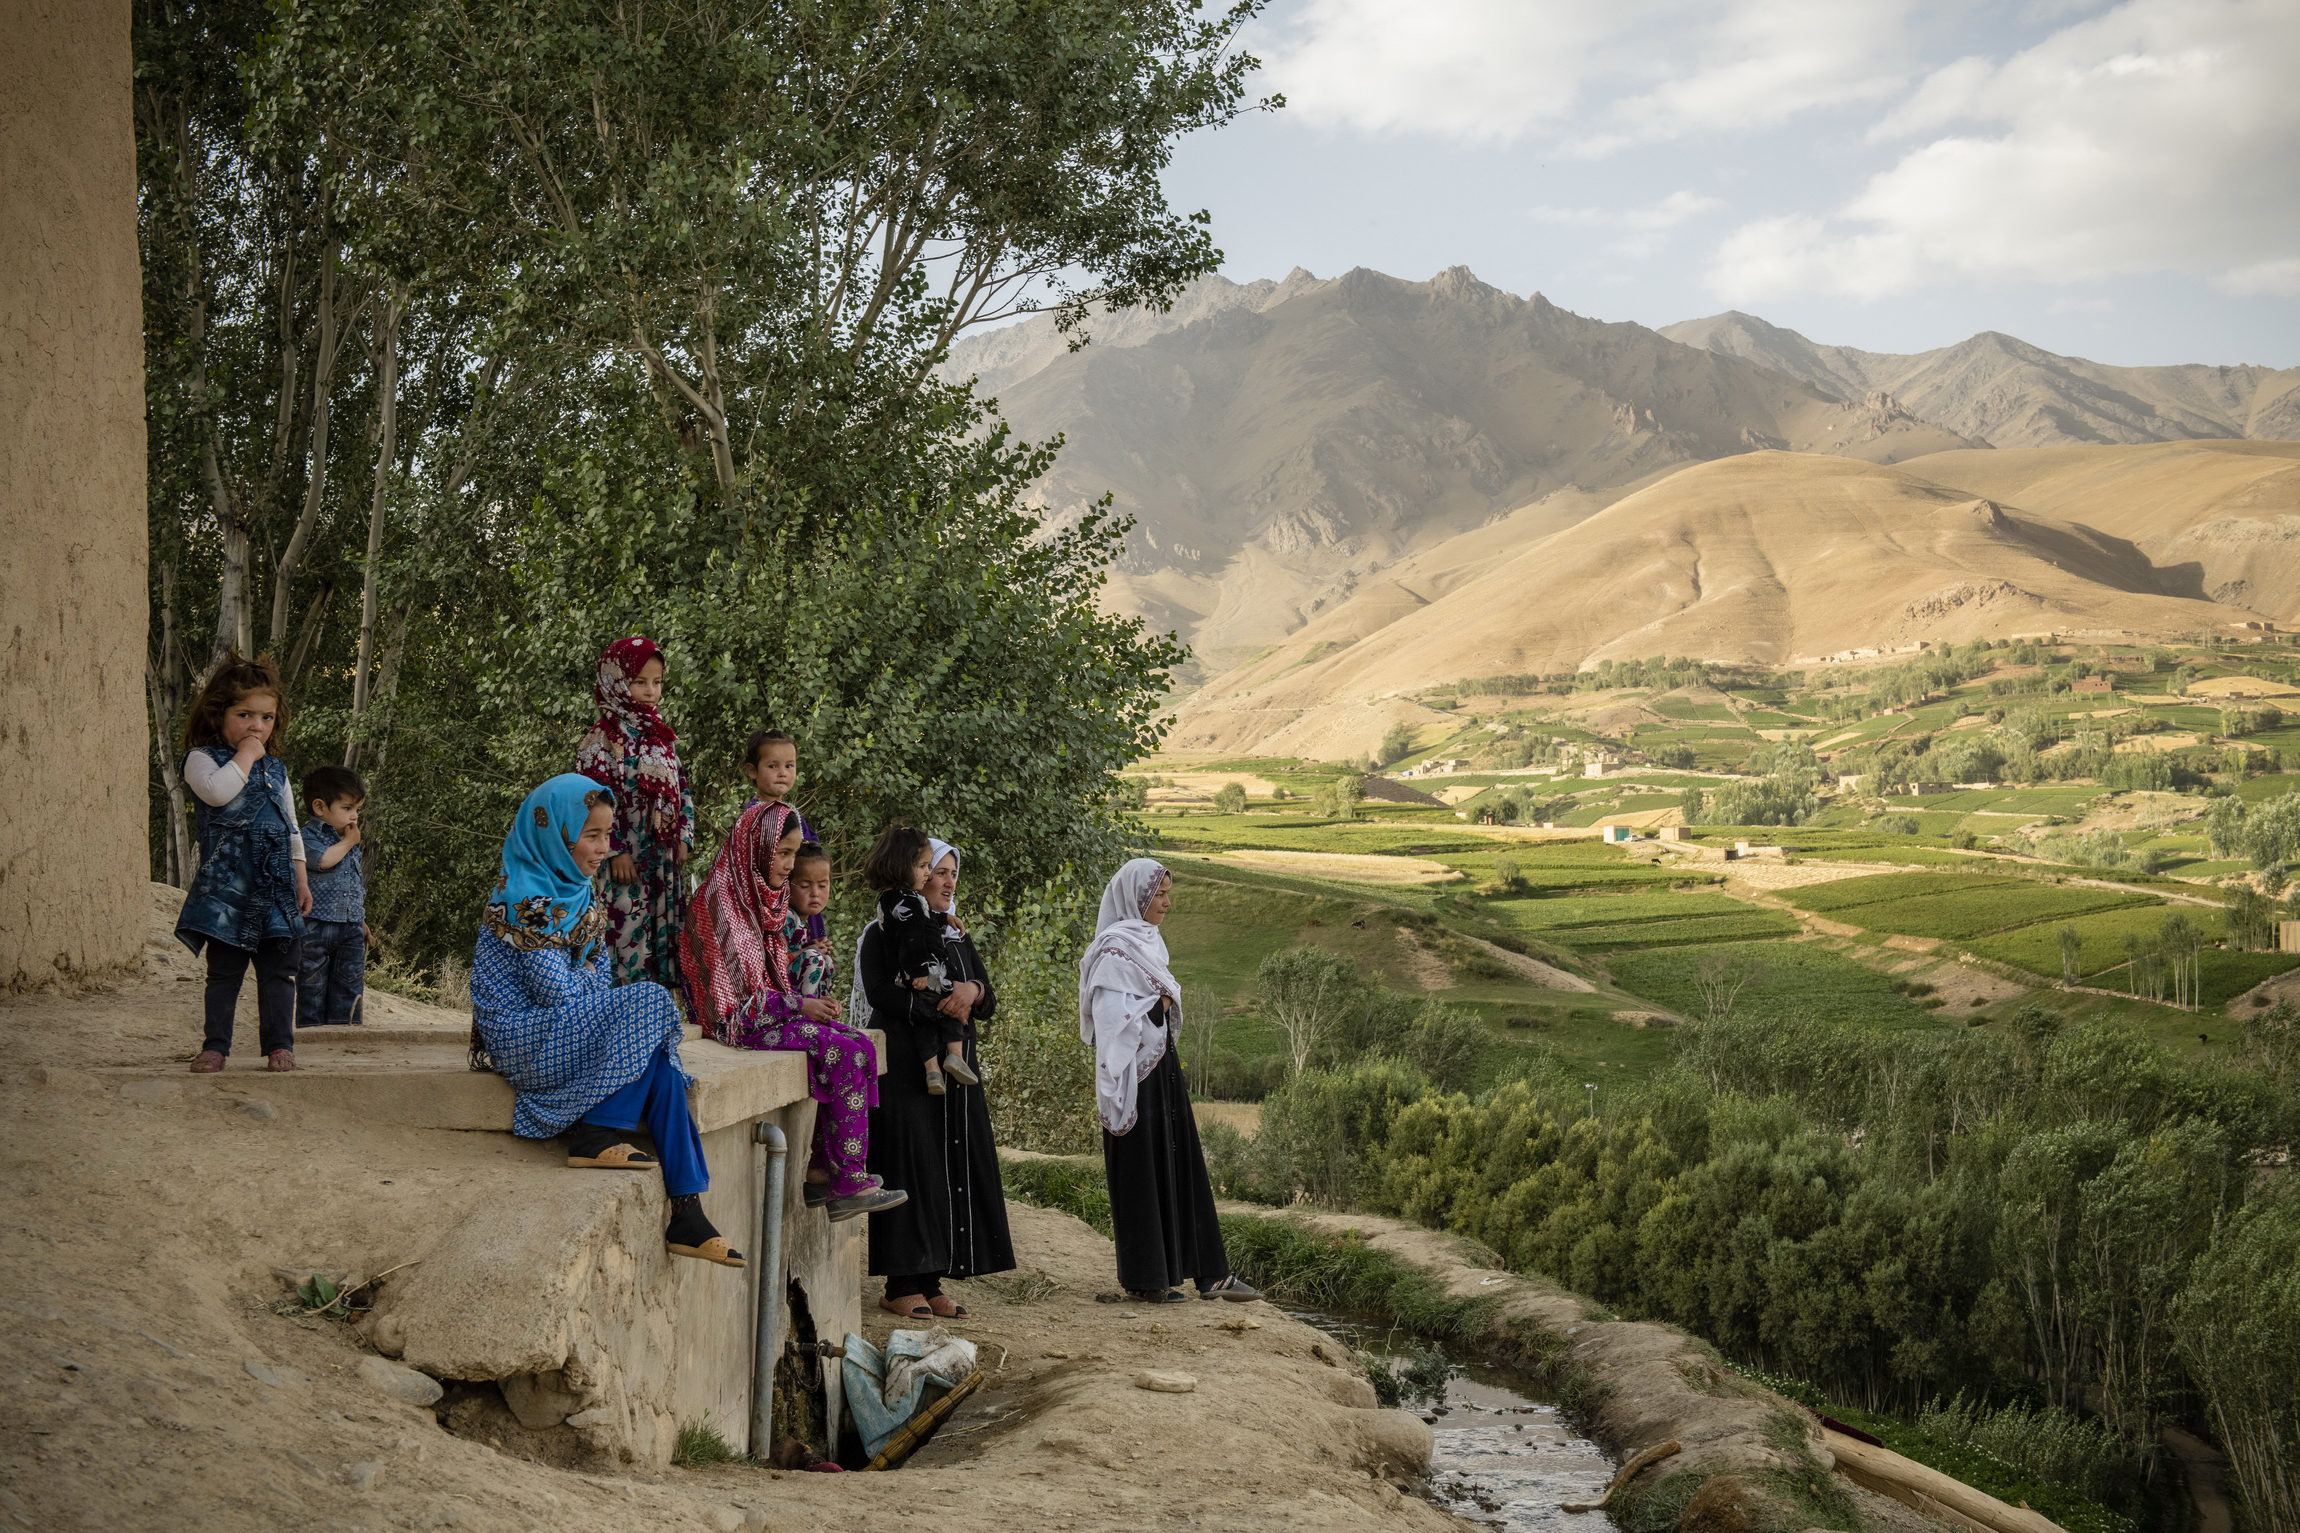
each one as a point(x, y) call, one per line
point(561, 1295)
point(421, 1077)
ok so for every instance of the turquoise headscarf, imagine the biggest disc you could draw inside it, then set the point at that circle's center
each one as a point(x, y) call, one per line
point(542, 899)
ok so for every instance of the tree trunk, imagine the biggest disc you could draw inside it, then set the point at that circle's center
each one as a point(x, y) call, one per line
point(386, 452)
point(315, 477)
point(166, 702)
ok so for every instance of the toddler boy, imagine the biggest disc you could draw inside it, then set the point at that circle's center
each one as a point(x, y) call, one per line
point(334, 976)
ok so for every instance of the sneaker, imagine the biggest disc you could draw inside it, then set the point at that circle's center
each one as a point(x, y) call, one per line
point(876, 1201)
point(934, 1085)
point(960, 1071)
point(818, 1194)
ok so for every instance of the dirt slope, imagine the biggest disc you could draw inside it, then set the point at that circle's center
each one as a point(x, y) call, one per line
point(1764, 557)
point(2224, 516)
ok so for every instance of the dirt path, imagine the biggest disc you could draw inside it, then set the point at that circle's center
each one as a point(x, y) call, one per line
point(2207, 1468)
point(154, 1385)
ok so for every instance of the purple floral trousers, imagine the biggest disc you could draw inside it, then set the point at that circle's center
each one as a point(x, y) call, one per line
point(842, 1077)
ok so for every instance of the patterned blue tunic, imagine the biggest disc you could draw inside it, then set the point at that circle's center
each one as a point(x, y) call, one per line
point(565, 1035)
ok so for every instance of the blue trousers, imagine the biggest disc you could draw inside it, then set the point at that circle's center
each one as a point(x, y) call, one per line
point(334, 973)
point(658, 1099)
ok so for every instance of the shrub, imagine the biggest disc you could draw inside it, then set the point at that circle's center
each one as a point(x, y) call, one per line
point(1040, 1081)
point(1230, 798)
point(1447, 1044)
point(1323, 1123)
point(1245, 1168)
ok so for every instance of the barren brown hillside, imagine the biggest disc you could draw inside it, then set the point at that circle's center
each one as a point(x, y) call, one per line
point(2223, 518)
point(1285, 446)
point(1766, 557)
point(2001, 390)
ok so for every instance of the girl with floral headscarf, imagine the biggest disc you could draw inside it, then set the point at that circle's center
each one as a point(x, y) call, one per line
point(736, 956)
point(632, 751)
point(588, 1058)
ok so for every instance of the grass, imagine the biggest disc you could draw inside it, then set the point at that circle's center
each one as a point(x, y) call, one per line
point(2037, 948)
point(701, 1444)
point(1967, 913)
point(1746, 926)
point(1566, 911)
point(1799, 980)
point(1826, 899)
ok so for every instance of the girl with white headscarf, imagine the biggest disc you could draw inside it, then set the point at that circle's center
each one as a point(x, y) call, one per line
point(1129, 1011)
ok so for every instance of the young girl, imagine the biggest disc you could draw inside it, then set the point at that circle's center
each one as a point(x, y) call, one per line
point(897, 868)
point(771, 762)
point(736, 954)
point(632, 752)
point(812, 967)
point(247, 903)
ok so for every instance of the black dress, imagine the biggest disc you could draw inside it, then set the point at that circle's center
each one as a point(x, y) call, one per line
point(1161, 1203)
point(939, 1149)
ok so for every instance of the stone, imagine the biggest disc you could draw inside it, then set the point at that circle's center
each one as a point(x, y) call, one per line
point(152, 1091)
point(1350, 1390)
point(540, 1400)
point(728, 1519)
point(257, 1108)
point(1393, 1444)
point(363, 1476)
point(1239, 1325)
point(1166, 1383)
point(399, 1381)
point(387, 1334)
point(264, 1373)
point(597, 1416)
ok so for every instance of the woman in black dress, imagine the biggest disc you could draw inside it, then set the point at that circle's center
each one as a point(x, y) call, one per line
point(939, 1149)
point(1130, 1011)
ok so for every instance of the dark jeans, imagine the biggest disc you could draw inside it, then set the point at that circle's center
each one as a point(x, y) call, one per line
point(334, 973)
point(275, 965)
point(658, 1099)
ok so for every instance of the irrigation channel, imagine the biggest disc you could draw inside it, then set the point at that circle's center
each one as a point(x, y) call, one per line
point(1504, 1458)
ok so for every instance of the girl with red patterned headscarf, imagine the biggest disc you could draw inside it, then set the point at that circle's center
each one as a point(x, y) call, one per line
point(633, 751)
point(737, 964)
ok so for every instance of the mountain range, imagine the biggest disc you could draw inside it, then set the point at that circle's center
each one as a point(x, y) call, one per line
point(1344, 489)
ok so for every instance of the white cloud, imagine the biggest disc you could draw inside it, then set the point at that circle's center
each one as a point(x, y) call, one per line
point(1602, 76)
point(1641, 230)
point(2161, 136)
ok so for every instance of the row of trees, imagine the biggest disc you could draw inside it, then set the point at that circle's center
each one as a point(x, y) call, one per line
point(2054, 1213)
point(476, 340)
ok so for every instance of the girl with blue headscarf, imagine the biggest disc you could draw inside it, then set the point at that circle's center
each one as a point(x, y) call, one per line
point(588, 1058)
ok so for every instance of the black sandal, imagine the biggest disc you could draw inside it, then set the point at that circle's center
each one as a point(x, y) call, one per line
point(1157, 1296)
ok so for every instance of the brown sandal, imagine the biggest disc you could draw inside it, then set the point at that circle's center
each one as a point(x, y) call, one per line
point(280, 1061)
point(922, 1312)
point(715, 1249)
point(616, 1157)
point(208, 1062)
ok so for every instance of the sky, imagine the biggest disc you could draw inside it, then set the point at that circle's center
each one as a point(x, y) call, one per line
point(2113, 181)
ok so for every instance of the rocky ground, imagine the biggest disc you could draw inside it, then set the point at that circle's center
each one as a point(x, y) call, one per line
point(154, 1380)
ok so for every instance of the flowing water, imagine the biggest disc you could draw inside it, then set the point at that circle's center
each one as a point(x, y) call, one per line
point(1504, 1458)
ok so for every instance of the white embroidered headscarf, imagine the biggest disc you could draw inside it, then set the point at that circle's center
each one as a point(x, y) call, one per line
point(1121, 980)
point(936, 850)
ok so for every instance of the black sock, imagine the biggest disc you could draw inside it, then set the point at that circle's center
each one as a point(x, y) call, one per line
point(688, 1225)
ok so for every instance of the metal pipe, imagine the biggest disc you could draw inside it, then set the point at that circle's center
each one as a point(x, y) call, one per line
point(767, 1325)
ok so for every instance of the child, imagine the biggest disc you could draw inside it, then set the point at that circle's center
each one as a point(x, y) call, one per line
point(897, 868)
point(810, 949)
point(771, 762)
point(633, 752)
point(335, 929)
point(247, 902)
